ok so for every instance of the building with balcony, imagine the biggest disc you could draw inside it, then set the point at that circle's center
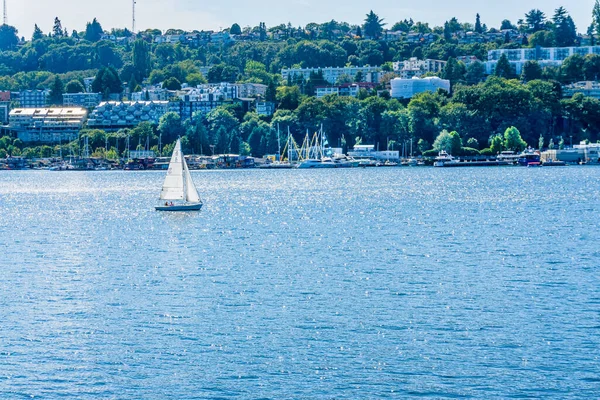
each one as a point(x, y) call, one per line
point(47, 125)
point(34, 98)
point(331, 75)
point(545, 56)
point(587, 88)
point(115, 115)
point(349, 89)
point(84, 100)
point(407, 88)
point(414, 67)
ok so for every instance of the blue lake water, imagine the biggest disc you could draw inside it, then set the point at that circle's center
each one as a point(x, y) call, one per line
point(376, 283)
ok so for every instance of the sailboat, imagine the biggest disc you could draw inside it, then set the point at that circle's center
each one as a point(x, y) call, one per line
point(179, 185)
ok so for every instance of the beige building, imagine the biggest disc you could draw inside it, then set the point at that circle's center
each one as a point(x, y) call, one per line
point(47, 125)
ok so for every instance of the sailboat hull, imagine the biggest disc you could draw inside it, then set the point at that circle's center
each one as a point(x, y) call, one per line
point(185, 207)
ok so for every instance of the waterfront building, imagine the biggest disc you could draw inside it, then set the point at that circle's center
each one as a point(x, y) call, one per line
point(367, 151)
point(47, 125)
point(331, 75)
point(151, 94)
point(545, 56)
point(84, 100)
point(115, 115)
point(587, 88)
point(407, 88)
point(415, 67)
point(34, 98)
point(582, 152)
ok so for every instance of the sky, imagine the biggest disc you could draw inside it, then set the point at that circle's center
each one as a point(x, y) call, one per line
point(213, 15)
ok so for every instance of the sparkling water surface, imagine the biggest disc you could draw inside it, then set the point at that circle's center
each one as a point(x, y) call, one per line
point(296, 284)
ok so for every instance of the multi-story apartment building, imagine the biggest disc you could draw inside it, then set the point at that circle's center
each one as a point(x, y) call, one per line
point(415, 67)
point(407, 88)
point(47, 125)
point(545, 56)
point(34, 98)
point(331, 75)
point(85, 100)
point(587, 88)
point(114, 115)
point(349, 89)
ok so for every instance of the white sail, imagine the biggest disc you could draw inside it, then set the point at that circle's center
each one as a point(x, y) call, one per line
point(173, 186)
point(191, 194)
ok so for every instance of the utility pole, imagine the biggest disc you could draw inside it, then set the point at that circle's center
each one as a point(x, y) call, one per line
point(133, 17)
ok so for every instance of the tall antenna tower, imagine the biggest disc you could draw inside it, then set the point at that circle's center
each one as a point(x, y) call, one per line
point(133, 17)
point(5, 14)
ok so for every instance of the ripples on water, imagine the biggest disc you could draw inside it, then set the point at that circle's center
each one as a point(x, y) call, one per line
point(407, 282)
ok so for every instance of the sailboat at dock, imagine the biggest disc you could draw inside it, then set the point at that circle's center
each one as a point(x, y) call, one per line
point(178, 185)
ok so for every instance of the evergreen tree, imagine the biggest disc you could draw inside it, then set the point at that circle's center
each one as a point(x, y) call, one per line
point(596, 18)
point(535, 21)
point(57, 30)
point(56, 91)
point(478, 27)
point(531, 71)
point(504, 69)
point(93, 31)
point(373, 26)
point(37, 33)
point(141, 59)
point(565, 32)
point(358, 32)
point(8, 37)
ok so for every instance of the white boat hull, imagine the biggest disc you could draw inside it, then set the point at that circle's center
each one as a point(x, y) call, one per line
point(183, 207)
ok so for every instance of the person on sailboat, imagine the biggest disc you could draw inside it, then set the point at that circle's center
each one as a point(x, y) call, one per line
point(171, 204)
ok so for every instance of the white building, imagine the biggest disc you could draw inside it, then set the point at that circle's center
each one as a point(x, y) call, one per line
point(47, 125)
point(415, 67)
point(407, 88)
point(331, 75)
point(114, 115)
point(348, 89)
point(582, 152)
point(368, 151)
point(587, 88)
point(545, 56)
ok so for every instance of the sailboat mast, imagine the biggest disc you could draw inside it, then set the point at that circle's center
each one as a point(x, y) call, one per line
point(278, 145)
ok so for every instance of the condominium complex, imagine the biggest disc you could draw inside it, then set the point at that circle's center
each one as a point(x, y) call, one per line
point(34, 98)
point(407, 88)
point(84, 100)
point(349, 89)
point(331, 75)
point(114, 115)
point(414, 67)
point(545, 56)
point(47, 125)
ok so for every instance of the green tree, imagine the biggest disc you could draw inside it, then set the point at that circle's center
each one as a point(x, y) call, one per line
point(531, 71)
point(478, 27)
point(57, 30)
point(564, 28)
point(74, 86)
point(93, 31)
point(504, 69)
point(56, 91)
point(535, 20)
point(542, 39)
point(573, 68)
point(170, 127)
point(8, 37)
point(541, 142)
point(454, 71)
point(449, 142)
point(141, 59)
point(37, 34)
point(591, 67)
point(235, 29)
point(513, 140)
point(475, 73)
point(172, 83)
point(596, 18)
point(107, 81)
point(373, 26)
point(288, 97)
point(496, 144)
